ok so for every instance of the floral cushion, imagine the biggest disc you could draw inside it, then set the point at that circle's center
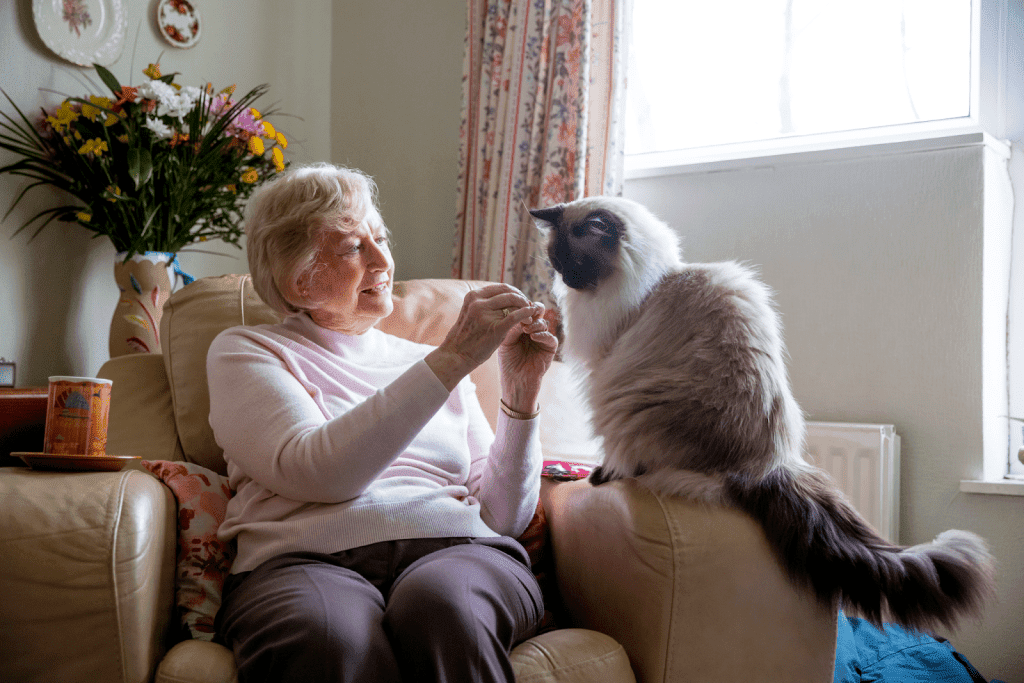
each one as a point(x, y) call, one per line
point(203, 561)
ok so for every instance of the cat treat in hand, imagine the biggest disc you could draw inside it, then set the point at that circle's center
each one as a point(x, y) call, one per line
point(684, 366)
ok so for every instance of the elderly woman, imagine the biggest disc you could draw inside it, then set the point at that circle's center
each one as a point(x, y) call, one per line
point(375, 510)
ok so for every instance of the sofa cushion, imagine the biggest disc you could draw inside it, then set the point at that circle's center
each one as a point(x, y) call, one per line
point(566, 656)
point(203, 560)
point(192, 317)
point(141, 413)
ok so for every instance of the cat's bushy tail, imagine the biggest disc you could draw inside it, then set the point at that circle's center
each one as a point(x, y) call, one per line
point(822, 542)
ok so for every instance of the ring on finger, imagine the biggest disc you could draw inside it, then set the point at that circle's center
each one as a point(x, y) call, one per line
point(504, 312)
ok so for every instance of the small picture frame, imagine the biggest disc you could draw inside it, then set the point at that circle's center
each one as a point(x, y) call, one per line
point(7, 373)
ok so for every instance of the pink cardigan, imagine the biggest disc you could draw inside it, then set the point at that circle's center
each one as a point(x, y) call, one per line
point(335, 441)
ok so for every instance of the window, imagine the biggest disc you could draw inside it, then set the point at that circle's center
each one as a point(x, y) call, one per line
point(713, 73)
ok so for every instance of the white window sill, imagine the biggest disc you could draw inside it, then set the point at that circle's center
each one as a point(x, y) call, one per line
point(1002, 487)
point(810, 149)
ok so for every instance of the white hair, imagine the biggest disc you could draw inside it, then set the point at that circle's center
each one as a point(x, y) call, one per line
point(285, 223)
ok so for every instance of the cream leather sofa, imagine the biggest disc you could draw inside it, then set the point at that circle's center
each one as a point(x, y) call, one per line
point(657, 588)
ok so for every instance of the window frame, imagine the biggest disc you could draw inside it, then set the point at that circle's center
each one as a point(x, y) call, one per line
point(640, 165)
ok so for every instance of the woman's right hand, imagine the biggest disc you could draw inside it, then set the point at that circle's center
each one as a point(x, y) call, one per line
point(486, 317)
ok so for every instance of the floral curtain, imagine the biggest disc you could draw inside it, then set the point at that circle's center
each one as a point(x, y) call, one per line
point(543, 92)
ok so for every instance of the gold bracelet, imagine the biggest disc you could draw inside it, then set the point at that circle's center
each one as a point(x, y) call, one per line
point(515, 414)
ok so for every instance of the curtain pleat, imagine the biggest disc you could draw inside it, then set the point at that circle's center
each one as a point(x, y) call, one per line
point(541, 124)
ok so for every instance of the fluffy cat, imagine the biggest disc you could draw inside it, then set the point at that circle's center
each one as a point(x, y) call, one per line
point(684, 367)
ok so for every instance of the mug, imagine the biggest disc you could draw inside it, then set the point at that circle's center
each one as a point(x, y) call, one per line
point(77, 410)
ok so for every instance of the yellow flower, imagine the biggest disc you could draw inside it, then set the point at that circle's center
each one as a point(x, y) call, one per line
point(230, 90)
point(233, 188)
point(92, 111)
point(115, 191)
point(111, 120)
point(95, 146)
point(268, 130)
point(123, 138)
point(202, 238)
point(63, 117)
point(153, 71)
point(256, 146)
point(250, 176)
point(84, 216)
point(255, 114)
point(278, 157)
point(281, 140)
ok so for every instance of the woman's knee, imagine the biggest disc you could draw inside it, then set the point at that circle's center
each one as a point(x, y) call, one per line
point(306, 623)
point(466, 591)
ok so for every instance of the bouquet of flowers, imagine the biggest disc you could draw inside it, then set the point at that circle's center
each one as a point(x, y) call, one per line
point(154, 167)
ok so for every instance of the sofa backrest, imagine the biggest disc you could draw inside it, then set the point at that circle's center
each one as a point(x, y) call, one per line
point(195, 314)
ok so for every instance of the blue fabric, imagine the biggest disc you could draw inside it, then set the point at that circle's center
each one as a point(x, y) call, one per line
point(186, 279)
point(865, 654)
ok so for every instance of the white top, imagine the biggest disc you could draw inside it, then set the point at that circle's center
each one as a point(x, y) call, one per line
point(334, 441)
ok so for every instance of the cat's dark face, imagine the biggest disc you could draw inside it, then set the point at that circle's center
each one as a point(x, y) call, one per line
point(583, 245)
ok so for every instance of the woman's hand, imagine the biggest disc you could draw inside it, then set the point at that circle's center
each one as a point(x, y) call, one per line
point(489, 316)
point(524, 356)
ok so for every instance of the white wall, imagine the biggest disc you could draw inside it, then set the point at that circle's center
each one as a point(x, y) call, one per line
point(397, 78)
point(57, 292)
point(877, 267)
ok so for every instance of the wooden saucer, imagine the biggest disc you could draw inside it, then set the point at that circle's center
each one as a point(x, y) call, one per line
point(75, 463)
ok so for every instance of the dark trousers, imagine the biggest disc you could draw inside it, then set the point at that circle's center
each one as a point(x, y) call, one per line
point(436, 609)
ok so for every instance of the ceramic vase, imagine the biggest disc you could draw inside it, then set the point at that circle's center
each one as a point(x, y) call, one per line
point(145, 282)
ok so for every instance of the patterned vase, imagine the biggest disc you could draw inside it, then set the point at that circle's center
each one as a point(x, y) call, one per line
point(145, 281)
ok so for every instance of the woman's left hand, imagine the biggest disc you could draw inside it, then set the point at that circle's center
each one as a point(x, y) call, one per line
point(524, 356)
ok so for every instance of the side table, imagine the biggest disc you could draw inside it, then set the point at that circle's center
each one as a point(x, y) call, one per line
point(22, 421)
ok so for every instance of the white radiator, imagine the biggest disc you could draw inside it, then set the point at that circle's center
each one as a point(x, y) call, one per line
point(864, 461)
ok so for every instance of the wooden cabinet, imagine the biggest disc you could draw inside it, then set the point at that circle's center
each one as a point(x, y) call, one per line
point(22, 421)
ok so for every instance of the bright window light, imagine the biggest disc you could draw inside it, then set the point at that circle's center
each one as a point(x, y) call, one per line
point(710, 73)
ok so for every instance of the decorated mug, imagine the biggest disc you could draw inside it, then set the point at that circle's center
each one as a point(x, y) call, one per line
point(77, 410)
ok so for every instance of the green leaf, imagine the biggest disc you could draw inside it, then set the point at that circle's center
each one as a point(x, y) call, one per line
point(108, 78)
point(132, 157)
point(145, 167)
point(140, 165)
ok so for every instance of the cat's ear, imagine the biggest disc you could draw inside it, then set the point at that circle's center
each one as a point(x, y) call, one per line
point(552, 215)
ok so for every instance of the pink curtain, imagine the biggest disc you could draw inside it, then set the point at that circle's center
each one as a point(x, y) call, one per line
point(543, 84)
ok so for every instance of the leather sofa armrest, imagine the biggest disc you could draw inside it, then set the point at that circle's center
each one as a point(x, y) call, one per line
point(141, 413)
point(86, 575)
point(692, 592)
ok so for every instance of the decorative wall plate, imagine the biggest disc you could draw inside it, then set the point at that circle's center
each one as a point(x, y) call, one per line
point(83, 32)
point(179, 22)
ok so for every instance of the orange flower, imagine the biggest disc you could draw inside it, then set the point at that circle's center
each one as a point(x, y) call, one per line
point(250, 176)
point(126, 95)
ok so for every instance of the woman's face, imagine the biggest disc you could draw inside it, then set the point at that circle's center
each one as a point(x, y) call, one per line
point(353, 277)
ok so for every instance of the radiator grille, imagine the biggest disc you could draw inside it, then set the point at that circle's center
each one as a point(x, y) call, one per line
point(864, 461)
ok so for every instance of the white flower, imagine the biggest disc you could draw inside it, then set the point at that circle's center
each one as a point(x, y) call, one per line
point(159, 91)
point(159, 128)
point(169, 101)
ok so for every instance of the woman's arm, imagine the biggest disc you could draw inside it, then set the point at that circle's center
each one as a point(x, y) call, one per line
point(271, 427)
point(505, 469)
